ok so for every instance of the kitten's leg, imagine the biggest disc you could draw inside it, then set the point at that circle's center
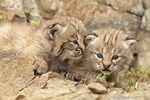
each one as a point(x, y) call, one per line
point(39, 66)
point(86, 77)
point(71, 75)
point(66, 75)
point(116, 78)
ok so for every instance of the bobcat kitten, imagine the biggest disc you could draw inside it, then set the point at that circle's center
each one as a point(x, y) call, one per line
point(108, 52)
point(51, 44)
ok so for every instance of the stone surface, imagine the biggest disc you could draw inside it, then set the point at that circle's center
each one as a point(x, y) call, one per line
point(97, 88)
point(97, 14)
point(15, 72)
point(132, 6)
point(31, 10)
point(17, 82)
point(146, 3)
point(11, 10)
point(146, 20)
point(143, 49)
point(105, 16)
point(47, 8)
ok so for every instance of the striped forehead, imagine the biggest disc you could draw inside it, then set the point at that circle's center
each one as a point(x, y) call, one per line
point(77, 36)
point(108, 40)
point(111, 38)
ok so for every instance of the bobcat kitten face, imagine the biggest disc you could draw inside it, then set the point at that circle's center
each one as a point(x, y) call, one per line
point(109, 51)
point(68, 35)
point(51, 44)
point(73, 48)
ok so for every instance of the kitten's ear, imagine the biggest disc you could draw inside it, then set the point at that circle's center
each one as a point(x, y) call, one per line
point(89, 38)
point(53, 30)
point(129, 42)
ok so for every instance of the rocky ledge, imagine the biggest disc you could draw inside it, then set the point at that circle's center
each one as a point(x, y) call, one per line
point(18, 82)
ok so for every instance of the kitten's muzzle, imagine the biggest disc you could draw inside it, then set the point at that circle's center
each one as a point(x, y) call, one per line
point(106, 67)
point(79, 51)
point(82, 50)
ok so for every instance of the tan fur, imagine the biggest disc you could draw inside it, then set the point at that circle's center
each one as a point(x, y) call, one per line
point(108, 42)
point(51, 42)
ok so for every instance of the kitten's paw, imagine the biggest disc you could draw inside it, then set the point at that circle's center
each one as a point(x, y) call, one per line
point(39, 66)
point(72, 76)
point(76, 77)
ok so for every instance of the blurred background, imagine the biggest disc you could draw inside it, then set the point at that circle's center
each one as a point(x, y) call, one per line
point(132, 16)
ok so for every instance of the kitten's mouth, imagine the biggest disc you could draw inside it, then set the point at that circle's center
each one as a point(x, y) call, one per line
point(78, 54)
point(106, 70)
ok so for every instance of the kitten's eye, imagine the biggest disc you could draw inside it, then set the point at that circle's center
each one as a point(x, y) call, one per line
point(99, 55)
point(75, 42)
point(115, 57)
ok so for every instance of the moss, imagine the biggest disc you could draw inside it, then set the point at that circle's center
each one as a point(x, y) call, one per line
point(101, 77)
point(34, 22)
point(135, 75)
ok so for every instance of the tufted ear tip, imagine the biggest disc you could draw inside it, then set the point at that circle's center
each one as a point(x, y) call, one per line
point(89, 38)
point(53, 30)
point(129, 42)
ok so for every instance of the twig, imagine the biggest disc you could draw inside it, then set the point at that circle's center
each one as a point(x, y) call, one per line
point(136, 85)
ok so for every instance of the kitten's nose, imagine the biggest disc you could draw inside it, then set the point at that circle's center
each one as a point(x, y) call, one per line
point(82, 47)
point(82, 50)
point(106, 66)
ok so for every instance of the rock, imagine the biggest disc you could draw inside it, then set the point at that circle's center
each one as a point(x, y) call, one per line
point(11, 10)
point(47, 8)
point(143, 49)
point(15, 72)
point(146, 20)
point(97, 88)
point(133, 6)
point(97, 14)
point(105, 16)
point(78, 95)
point(146, 4)
point(143, 60)
point(52, 88)
point(17, 81)
point(56, 89)
point(41, 81)
point(31, 10)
